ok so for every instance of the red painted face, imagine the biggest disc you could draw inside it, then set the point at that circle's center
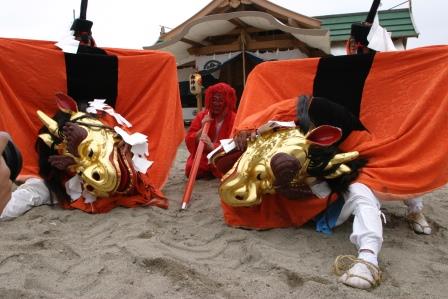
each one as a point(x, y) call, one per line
point(218, 104)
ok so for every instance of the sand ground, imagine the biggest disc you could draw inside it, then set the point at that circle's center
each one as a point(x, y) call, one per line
point(155, 253)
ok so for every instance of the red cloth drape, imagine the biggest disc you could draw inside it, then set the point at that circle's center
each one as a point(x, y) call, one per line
point(404, 109)
point(32, 71)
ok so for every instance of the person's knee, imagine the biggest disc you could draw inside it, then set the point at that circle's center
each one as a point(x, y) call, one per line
point(360, 196)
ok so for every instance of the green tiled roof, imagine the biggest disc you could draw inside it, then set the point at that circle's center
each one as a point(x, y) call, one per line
point(397, 21)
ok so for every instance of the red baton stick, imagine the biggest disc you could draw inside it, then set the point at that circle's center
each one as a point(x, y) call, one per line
point(194, 168)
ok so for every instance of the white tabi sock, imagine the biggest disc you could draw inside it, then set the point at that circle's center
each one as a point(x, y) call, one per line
point(368, 257)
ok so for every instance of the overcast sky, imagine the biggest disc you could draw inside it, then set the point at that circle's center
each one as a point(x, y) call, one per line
point(136, 23)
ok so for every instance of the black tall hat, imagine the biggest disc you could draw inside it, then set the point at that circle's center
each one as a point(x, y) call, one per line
point(81, 24)
point(360, 30)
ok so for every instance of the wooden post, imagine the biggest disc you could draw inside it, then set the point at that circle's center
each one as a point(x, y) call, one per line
point(199, 102)
point(243, 53)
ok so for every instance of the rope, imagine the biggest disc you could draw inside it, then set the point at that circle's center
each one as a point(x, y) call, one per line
point(344, 262)
point(398, 5)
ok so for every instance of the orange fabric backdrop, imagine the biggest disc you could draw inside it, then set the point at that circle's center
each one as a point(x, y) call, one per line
point(270, 82)
point(404, 109)
point(31, 72)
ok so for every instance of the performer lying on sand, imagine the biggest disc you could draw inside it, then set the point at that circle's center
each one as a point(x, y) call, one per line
point(92, 162)
point(87, 155)
point(298, 161)
point(34, 191)
point(296, 175)
point(89, 162)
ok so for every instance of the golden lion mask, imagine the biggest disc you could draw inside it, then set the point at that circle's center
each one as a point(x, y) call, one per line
point(251, 176)
point(100, 159)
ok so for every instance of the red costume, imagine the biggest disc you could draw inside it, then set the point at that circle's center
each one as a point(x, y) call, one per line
point(404, 122)
point(148, 104)
point(216, 132)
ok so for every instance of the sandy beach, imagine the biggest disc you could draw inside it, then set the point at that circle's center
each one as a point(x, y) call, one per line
point(155, 253)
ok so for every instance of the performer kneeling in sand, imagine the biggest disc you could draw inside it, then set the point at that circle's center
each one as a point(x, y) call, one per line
point(220, 101)
point(302, 159)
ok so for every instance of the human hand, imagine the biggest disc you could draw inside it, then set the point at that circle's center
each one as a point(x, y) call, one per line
point(207, 118)
point(243, 137)
point(207, 141)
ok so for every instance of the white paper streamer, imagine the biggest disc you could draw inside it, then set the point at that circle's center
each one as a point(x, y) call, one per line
point(139, 147)
point(99, 104)
point(379, 39)
point(68, 44)
point(73, 187)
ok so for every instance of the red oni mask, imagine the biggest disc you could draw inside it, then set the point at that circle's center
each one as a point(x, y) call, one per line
point(218, 104)
point(220, 99)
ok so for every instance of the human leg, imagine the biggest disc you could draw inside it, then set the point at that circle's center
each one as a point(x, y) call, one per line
point(30, 194)
point(415, 217)
point(362, 271)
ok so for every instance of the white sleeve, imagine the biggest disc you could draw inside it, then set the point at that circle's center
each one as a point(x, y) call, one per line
point(30, 194)
point(321, 189)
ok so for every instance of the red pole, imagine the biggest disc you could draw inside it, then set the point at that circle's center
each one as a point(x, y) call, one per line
point(194, 168)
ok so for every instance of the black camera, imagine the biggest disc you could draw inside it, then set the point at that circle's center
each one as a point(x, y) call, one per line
point(13, 159)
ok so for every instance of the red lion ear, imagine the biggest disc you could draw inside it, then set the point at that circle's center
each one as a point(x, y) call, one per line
point(324, 135)
point(66, 103)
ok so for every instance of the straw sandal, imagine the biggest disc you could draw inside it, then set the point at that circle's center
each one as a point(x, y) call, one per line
point(418, 223)
point(357, 273)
